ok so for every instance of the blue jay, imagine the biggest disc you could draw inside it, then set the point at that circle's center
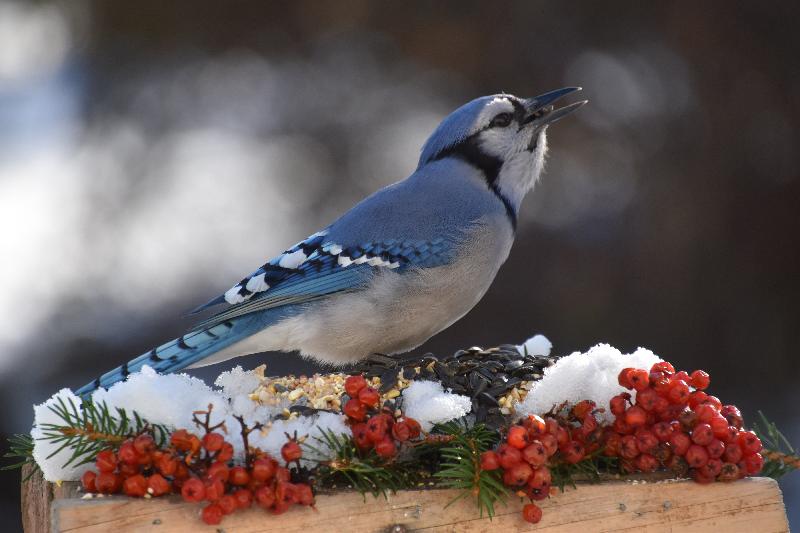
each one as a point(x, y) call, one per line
point(400, 266)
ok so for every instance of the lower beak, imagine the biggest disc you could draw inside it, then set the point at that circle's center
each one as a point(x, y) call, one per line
point(538, 108)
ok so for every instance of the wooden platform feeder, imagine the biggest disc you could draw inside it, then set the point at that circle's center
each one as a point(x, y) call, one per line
point(752, 505)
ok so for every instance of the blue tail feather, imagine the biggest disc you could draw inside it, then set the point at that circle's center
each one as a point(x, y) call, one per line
point(190, 348)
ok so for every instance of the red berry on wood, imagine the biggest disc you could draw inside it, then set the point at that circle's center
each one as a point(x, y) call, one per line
point(215, 489)
point(754, 463)
point(749, 442)
point(127, 453)
point(646, 463)
point(702, 434)
point(193, 490)
point(518, 474)
point(243, 498)
point(532, 513)
point(535, 453)
point(263, 469)
point(629, 447)
point(212, 514)
point(87, 481)
point(573, 452)
point(304, 494)
point(680, 442)
point(728, 472)
point(550, 444)
point(712, 468)
point(219, 471)
point(106, 461)
point(733, 453)
point(715, 448)
point(386, 448)
point(135, 486)
point(509, 456)
point(662, 430)
point(377, 427)
point(635, 416)
point(226, 453)
point(696, 456)
point(144, 444)
point(282, 474)
point(646, 440)
point(157, 485)
point(354, 384)
point(265, 497)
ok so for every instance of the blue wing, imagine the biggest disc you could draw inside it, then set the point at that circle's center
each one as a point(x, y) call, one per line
point(315, 268)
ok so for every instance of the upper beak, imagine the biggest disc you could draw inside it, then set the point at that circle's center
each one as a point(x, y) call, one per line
point(539, 109)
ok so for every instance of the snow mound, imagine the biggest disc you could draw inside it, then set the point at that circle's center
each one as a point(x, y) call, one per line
point(53, 468)
point(584, 376)
point(428, 403)
point(536, 345)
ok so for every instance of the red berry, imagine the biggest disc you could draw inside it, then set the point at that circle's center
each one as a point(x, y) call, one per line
point(414, 426)
point(263, 469)
point(754, 463)
point(532, 513)
point(677, 465)
point(646, 399)
point(624, 378)
point(108, 483)
point(218, 471)
point(733, 453)
point(712, 468)
point(489, 461)
point(225, 454)
point(215, 489)
point(663, 366)
point(550, 444)
point(678, 392)
point(705, 412)
point(265, 497)
point(635, 416)
point(355, 410)
point(639, 378)
point(696, 398)
point(193, 490)
point(714, 401)
point(715, 448)
point(212, 514)
point(213, 442)
point(696, 456)
point(135, 486)
point(304, 494)
point(87, 481)
point(629, 447)
point(518, 474)
point(699, 380)
point(239, 476)
point(127, 453)
point(646, 463)
point(291, 451)
point(688, 419)
point(535, 425)
point(244, 498)
point(378, 427)
point(583, 408)
point(613, 444)
point(106, 461)
point(354, 384)
point(157, 485)
point(360, 436)
point(682, 376)
point(386, 448)
point(728, 472)
point(282, 474)
point(369, 397)
point(540, 478)
point(144, 444)
point(517, 437)
point(646, 440)
point(702, 434)
point(227, 503)
point(509, 456)
point(699, 477)
point(662, 430)
point(166, 465)
point(619, 403)
point(679, 442)
point(749, 442)
point(732, 415)
point(574, 452)
point(401, 432)
point(535, 453)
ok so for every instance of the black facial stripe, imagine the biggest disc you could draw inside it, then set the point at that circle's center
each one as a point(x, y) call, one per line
point(519, 111)
point(470, 151)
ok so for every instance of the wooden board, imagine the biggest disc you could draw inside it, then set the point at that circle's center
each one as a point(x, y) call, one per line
point(747, 506)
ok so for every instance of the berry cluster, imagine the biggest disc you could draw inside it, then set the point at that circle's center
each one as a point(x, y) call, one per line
point(672, 423)
point(201, 471)
point(384, 429)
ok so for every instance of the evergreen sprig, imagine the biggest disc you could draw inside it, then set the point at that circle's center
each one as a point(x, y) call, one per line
point(367, 474)
point(780, 457)
point(461, 464)
point(84, 430)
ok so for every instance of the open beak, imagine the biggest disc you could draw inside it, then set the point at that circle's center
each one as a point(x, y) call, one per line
point(540, 110)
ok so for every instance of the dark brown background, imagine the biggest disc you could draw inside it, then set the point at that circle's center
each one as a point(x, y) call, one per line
point(667, 218)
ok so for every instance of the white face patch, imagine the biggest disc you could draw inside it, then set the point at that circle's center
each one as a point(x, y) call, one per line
point(498, 105)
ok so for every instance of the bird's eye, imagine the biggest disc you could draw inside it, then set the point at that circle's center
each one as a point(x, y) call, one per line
point(502, 120)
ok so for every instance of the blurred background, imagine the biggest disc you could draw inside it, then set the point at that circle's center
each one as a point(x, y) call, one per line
point(152, 153)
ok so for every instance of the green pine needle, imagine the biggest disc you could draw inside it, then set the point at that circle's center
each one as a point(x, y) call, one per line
point(777, 449)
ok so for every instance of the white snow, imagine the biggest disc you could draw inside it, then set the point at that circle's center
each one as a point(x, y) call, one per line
point(53, 468)
point(536, 345)
point(428, 403)
point(584, 376)
point(272, 439)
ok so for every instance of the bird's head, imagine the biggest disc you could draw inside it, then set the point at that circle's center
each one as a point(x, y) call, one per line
point(503, 136)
